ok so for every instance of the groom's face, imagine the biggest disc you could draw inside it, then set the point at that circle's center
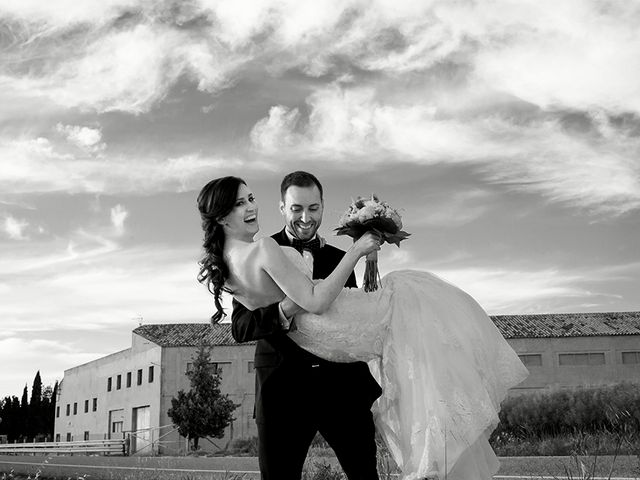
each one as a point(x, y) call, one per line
point(302, 211)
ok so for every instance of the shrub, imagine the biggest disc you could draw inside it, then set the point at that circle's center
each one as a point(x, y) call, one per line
point(245, 446)
point(611, 409)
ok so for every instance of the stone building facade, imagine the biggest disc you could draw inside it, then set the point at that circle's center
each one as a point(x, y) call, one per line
point(129, 392)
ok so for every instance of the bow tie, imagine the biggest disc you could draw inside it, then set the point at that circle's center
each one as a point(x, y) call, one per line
point(311, 245)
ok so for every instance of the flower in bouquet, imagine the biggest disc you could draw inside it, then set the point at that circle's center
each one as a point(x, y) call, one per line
point(372, 215)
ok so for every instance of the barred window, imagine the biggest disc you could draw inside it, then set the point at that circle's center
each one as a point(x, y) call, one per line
point(630, 358)
point(573, 359)
point(531, 359)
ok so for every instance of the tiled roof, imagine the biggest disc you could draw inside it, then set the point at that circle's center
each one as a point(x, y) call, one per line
point(187, 334)
point(568, 324)
point(511, 326)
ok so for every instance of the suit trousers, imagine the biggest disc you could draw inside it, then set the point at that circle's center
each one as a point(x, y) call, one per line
point(314, 399)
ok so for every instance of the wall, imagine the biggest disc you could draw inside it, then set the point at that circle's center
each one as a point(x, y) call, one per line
point(553, 375)
point(89, 381)
point(237, 382)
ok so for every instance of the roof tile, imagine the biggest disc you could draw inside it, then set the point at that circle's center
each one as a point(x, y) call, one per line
point(548, 325)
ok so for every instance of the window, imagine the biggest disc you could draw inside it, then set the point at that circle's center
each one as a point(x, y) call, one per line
point(68, 409)
point(128, 379)
point(118, 382)
point(572, 359)
point(75, 408)
point(57, 412)
point(140, 377)
point(95, 404)
point(630, 358)
point(221, 368)
point(151, 374)
point(531, 359)
point(251, 367)
point(68, 437)
point(86, 436)
point(57, 437)
point(109, 384)
point(116, 427)
point(86, 406)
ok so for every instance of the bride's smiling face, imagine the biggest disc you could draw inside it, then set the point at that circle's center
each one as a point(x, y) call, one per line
point(242, 221)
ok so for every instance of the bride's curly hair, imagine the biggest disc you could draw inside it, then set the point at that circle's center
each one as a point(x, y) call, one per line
point(215, 201)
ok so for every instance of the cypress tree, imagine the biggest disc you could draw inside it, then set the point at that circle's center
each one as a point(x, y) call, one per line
point(35, 408)
point(23, 419)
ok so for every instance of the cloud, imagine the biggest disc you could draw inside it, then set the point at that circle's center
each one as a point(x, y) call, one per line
point(580, 55)
point(118, 216)
point(524, 287)
point(92, 281)
point(14, 228)
point(596, 171)
point(85, 138)
point(50, 357)
point(40, 165)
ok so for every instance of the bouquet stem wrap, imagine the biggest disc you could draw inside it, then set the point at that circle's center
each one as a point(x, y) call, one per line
point(372, 215)
point(371, 273)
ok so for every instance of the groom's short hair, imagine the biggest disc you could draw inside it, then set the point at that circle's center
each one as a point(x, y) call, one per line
point(299, 179)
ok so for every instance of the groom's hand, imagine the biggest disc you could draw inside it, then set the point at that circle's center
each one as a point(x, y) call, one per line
point(289, 307)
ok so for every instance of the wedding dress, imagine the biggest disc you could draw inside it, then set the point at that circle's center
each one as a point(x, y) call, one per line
point(443, 366)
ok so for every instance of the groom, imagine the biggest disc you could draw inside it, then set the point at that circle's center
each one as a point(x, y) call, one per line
point(297, 393)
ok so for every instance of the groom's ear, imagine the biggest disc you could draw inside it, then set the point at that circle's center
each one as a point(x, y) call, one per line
point(281, 207)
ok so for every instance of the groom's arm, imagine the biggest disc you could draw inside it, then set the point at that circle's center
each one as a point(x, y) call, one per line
point(248, 325)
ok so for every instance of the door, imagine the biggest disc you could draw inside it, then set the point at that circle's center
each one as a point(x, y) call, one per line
point(141, 426)
point(116, 423)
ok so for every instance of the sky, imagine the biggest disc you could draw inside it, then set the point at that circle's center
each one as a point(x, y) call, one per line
point(506, 133)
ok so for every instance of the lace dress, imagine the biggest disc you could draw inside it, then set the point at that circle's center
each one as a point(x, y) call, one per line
point(443, 366)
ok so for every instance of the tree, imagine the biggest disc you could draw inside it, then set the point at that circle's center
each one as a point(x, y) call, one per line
point(51, 415)
point(23, 420)
point(35, 417)
point(202, 411)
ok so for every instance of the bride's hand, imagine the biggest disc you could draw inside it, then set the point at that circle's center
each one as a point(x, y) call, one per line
point(366, 244)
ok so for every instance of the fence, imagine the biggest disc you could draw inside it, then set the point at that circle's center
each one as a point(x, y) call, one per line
point(105, 447)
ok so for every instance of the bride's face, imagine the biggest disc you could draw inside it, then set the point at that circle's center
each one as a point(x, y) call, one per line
point(242, 221)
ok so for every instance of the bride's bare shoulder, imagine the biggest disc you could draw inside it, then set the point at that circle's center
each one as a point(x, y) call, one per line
point(267, 244)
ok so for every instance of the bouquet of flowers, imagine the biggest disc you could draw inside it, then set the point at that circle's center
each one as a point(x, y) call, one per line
point(372, 215)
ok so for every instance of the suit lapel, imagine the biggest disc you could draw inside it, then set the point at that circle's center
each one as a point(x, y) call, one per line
point(281, 238)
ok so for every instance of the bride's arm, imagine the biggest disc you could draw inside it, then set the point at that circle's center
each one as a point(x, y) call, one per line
point(314, 298)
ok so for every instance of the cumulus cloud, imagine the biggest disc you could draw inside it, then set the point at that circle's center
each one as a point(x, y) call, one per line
point(85, 138)
point(41, 165)
point(14, 228)
point(537, 153)
point(126, 55)
point(118, 216)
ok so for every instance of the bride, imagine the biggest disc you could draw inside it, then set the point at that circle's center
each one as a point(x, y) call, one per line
point(443, 366)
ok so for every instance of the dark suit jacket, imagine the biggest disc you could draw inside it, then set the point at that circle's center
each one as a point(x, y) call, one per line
point(276, 352)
